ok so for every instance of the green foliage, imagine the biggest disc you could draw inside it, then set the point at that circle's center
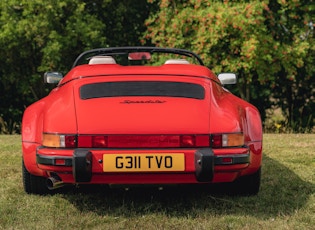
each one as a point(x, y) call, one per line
point(38, 36)
point(269, 44)
point(294, 87)
point(229, 36)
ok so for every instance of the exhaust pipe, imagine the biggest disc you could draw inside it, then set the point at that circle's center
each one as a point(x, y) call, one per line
point(54, 182)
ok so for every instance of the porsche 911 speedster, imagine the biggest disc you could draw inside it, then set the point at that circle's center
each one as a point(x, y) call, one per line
point(140, 115)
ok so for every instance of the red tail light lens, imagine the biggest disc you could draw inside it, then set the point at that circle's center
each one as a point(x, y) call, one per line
point(143, 141)
point(216, 141)
point(99, 141)
point(203, 140)
point(191, 141)
point(87, 141)
point(70, 141)
point(187, 141)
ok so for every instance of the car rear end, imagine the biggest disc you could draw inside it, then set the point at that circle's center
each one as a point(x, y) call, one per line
point(168, 123)
point(142, 129)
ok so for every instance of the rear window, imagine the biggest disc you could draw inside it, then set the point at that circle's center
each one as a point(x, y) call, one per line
point(142, 88)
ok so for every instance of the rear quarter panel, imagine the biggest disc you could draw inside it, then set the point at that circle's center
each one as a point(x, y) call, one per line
point(232, 114)
point(32, 125)
point(53, 114)
point(59, 112)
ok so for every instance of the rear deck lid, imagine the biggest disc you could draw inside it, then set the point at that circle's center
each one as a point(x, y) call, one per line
point(143, 107)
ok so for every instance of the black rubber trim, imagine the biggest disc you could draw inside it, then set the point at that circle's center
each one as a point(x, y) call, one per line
point(125, 50)
point(218, 160)
point(82, 165)
point(204, 165)
point(51, 160)
point(236, 159)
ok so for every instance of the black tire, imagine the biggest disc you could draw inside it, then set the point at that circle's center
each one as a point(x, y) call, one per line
point(33, 184)
point(247, 185)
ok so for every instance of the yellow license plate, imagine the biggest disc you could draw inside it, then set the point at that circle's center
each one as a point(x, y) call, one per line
point(147, 162)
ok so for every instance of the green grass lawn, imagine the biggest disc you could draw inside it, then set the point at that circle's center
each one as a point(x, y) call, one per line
point(286, 199)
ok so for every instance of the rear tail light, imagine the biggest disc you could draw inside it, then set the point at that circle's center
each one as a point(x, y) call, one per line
point(144, 141)
point(227, 140)
point(59, 141)
point(99, 141)
point(216, 141)
point(51, 140)
point(70, 141)
point(87, 141)
point(187, 141)
point(191, 141)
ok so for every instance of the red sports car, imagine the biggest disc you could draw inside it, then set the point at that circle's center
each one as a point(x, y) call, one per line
point(141, 115)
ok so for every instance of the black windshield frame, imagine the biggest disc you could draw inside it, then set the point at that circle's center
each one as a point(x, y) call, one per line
point(126, 50)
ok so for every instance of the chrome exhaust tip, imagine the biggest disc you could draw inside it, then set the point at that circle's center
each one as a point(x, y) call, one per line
point(54, 183)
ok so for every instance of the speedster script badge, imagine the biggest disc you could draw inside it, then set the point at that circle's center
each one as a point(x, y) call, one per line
point(142, 102)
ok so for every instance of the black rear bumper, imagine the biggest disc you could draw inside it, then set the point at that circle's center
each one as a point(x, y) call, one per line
point(205, 161)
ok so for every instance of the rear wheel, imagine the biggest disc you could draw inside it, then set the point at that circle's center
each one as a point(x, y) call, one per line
point(248, 185)
point(33, 184)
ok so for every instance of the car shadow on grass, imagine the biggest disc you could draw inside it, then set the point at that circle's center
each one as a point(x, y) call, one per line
point(282, 192)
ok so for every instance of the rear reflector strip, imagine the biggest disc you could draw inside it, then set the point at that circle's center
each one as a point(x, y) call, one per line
point(144, 141)
point(60, 161)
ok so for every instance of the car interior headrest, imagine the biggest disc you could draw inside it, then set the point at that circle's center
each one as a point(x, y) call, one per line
point(176, 61)
point(102, 60)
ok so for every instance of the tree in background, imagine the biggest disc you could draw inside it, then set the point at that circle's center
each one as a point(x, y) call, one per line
point(37, 36)
point(269, 44)
point(124, 19)
point(44, 35)
point(291, 25)
point(248, 38)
